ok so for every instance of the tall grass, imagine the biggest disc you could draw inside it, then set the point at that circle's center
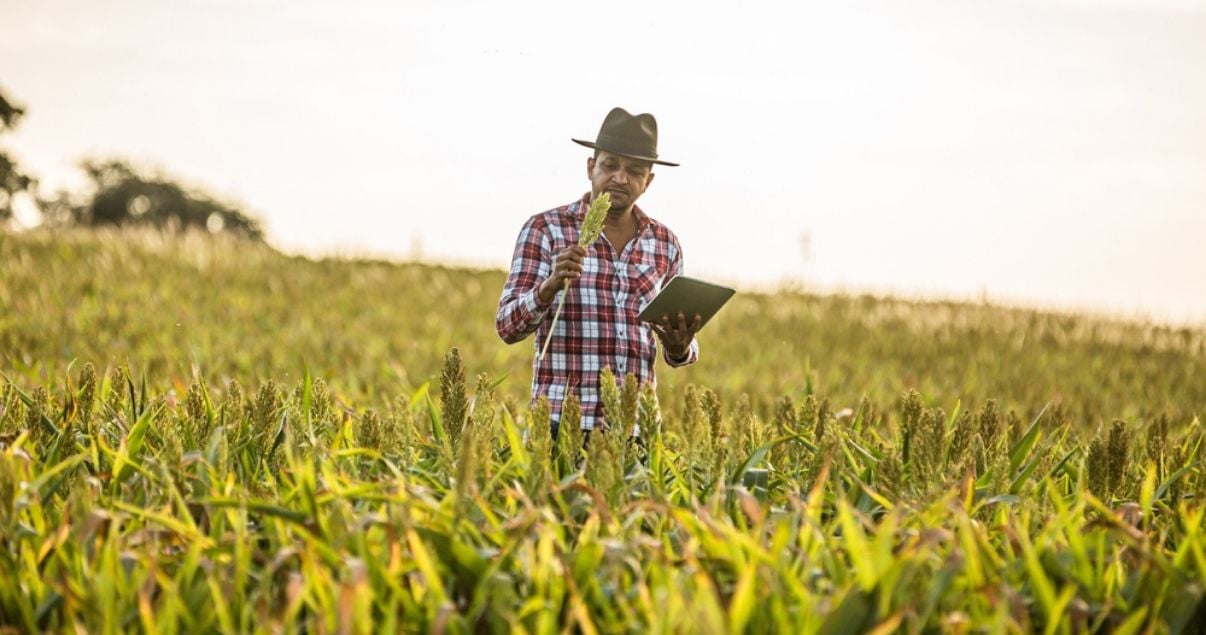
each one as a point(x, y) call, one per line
point(122, 508)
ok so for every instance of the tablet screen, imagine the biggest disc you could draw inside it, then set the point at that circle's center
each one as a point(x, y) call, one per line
point(690, 296)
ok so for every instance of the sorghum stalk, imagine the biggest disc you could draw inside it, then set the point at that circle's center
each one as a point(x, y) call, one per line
point(453, 402)
point(592, 226)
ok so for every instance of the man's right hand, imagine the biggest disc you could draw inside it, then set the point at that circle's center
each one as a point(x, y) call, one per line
point(567, 265)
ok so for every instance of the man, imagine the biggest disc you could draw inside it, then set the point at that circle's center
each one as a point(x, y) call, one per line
point(610, 281)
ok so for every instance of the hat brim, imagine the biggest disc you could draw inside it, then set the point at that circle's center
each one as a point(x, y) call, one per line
point(595, 146)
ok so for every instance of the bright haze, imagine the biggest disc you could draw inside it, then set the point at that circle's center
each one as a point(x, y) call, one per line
point(1046, 153)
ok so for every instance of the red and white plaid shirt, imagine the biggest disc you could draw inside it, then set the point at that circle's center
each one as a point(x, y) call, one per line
point(598, 326)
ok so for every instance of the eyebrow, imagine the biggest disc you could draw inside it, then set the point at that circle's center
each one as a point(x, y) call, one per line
point(644, 165)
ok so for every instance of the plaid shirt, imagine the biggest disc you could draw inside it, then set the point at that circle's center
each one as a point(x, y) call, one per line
point(598, 326)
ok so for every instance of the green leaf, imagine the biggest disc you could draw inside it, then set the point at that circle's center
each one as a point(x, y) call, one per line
point(498, 382)
point(1185, 609)
point(419, 395)
point(1172, 478)
point(138, 432)
point(519, 454)
point(49, 605)
point(307, 401)
point(1026, 443)
point(1056, 617)
point(437, 427)
point(855, 614)
point(268, 509)
point(127, 455)
point(46, 475)
point(1020, 479)
point(468, 557)
point(753, 459)
point(1133, 623)
point(1147, 493)
point(426, 565)
point(279, 437)
point(855, 543)
point(741, 606)
point(1044, 590)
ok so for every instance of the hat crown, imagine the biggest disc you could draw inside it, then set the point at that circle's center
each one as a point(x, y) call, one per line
point(626, 134)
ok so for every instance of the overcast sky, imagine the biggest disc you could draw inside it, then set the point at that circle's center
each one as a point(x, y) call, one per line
point(1044, 152)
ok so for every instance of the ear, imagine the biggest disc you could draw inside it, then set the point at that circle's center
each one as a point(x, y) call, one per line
point(648, 180)
point(590, 168)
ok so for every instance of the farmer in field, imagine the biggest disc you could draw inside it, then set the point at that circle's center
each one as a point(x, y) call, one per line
point(610, 280)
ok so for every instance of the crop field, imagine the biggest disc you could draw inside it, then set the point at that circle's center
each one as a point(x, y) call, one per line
point(202, 436)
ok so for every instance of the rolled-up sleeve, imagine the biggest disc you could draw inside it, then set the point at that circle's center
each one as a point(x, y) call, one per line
point(519, 309)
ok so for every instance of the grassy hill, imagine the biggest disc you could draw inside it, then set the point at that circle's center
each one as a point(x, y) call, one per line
point(173, 309)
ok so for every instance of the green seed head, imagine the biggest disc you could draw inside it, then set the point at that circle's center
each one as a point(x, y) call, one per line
point(569, 435)
point(232, 404)
point(119, 379)
point(9, 487)
point(609, 395)
point(628, 402)
point(453, 403)
point(368, 433)
point(87, 396)
point(592, 225)
point(1097, 468)
point(711, 408)
point(1118, 449)
point(649, 416)
point(37, 409)
point(990, 423)
point(540, 444)
point(785, 415)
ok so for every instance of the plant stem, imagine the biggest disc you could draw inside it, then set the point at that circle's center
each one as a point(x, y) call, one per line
point(560, 304)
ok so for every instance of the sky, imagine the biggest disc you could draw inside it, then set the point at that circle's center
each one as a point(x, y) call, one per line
point(1045, 153)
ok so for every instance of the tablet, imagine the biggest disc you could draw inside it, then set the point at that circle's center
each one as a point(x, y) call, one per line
point(690, 296)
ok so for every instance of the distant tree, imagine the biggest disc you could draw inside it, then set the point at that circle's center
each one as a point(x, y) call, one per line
point(124, 196)
point(12, 180)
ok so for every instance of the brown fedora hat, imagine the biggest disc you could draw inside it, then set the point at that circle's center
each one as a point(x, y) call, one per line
point(625, 134)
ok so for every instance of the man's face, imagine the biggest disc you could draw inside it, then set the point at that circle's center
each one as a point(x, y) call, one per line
point(623, 178)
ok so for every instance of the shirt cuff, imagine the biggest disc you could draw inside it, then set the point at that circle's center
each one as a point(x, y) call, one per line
point(532, 307)
point(691, 357)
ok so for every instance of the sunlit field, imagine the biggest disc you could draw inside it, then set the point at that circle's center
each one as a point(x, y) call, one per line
point(201, 435)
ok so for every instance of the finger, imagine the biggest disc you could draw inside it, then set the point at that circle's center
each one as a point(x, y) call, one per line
point(682, 321)
point(671, 328)
point(696, 324)
point(569, 265)
point(575, 252)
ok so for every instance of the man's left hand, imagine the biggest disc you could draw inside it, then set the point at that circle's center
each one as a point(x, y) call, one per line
point(676, 334)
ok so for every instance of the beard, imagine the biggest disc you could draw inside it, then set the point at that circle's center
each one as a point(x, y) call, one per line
point(620, 197)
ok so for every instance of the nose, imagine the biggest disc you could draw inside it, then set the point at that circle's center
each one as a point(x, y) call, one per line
point(620, 177)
